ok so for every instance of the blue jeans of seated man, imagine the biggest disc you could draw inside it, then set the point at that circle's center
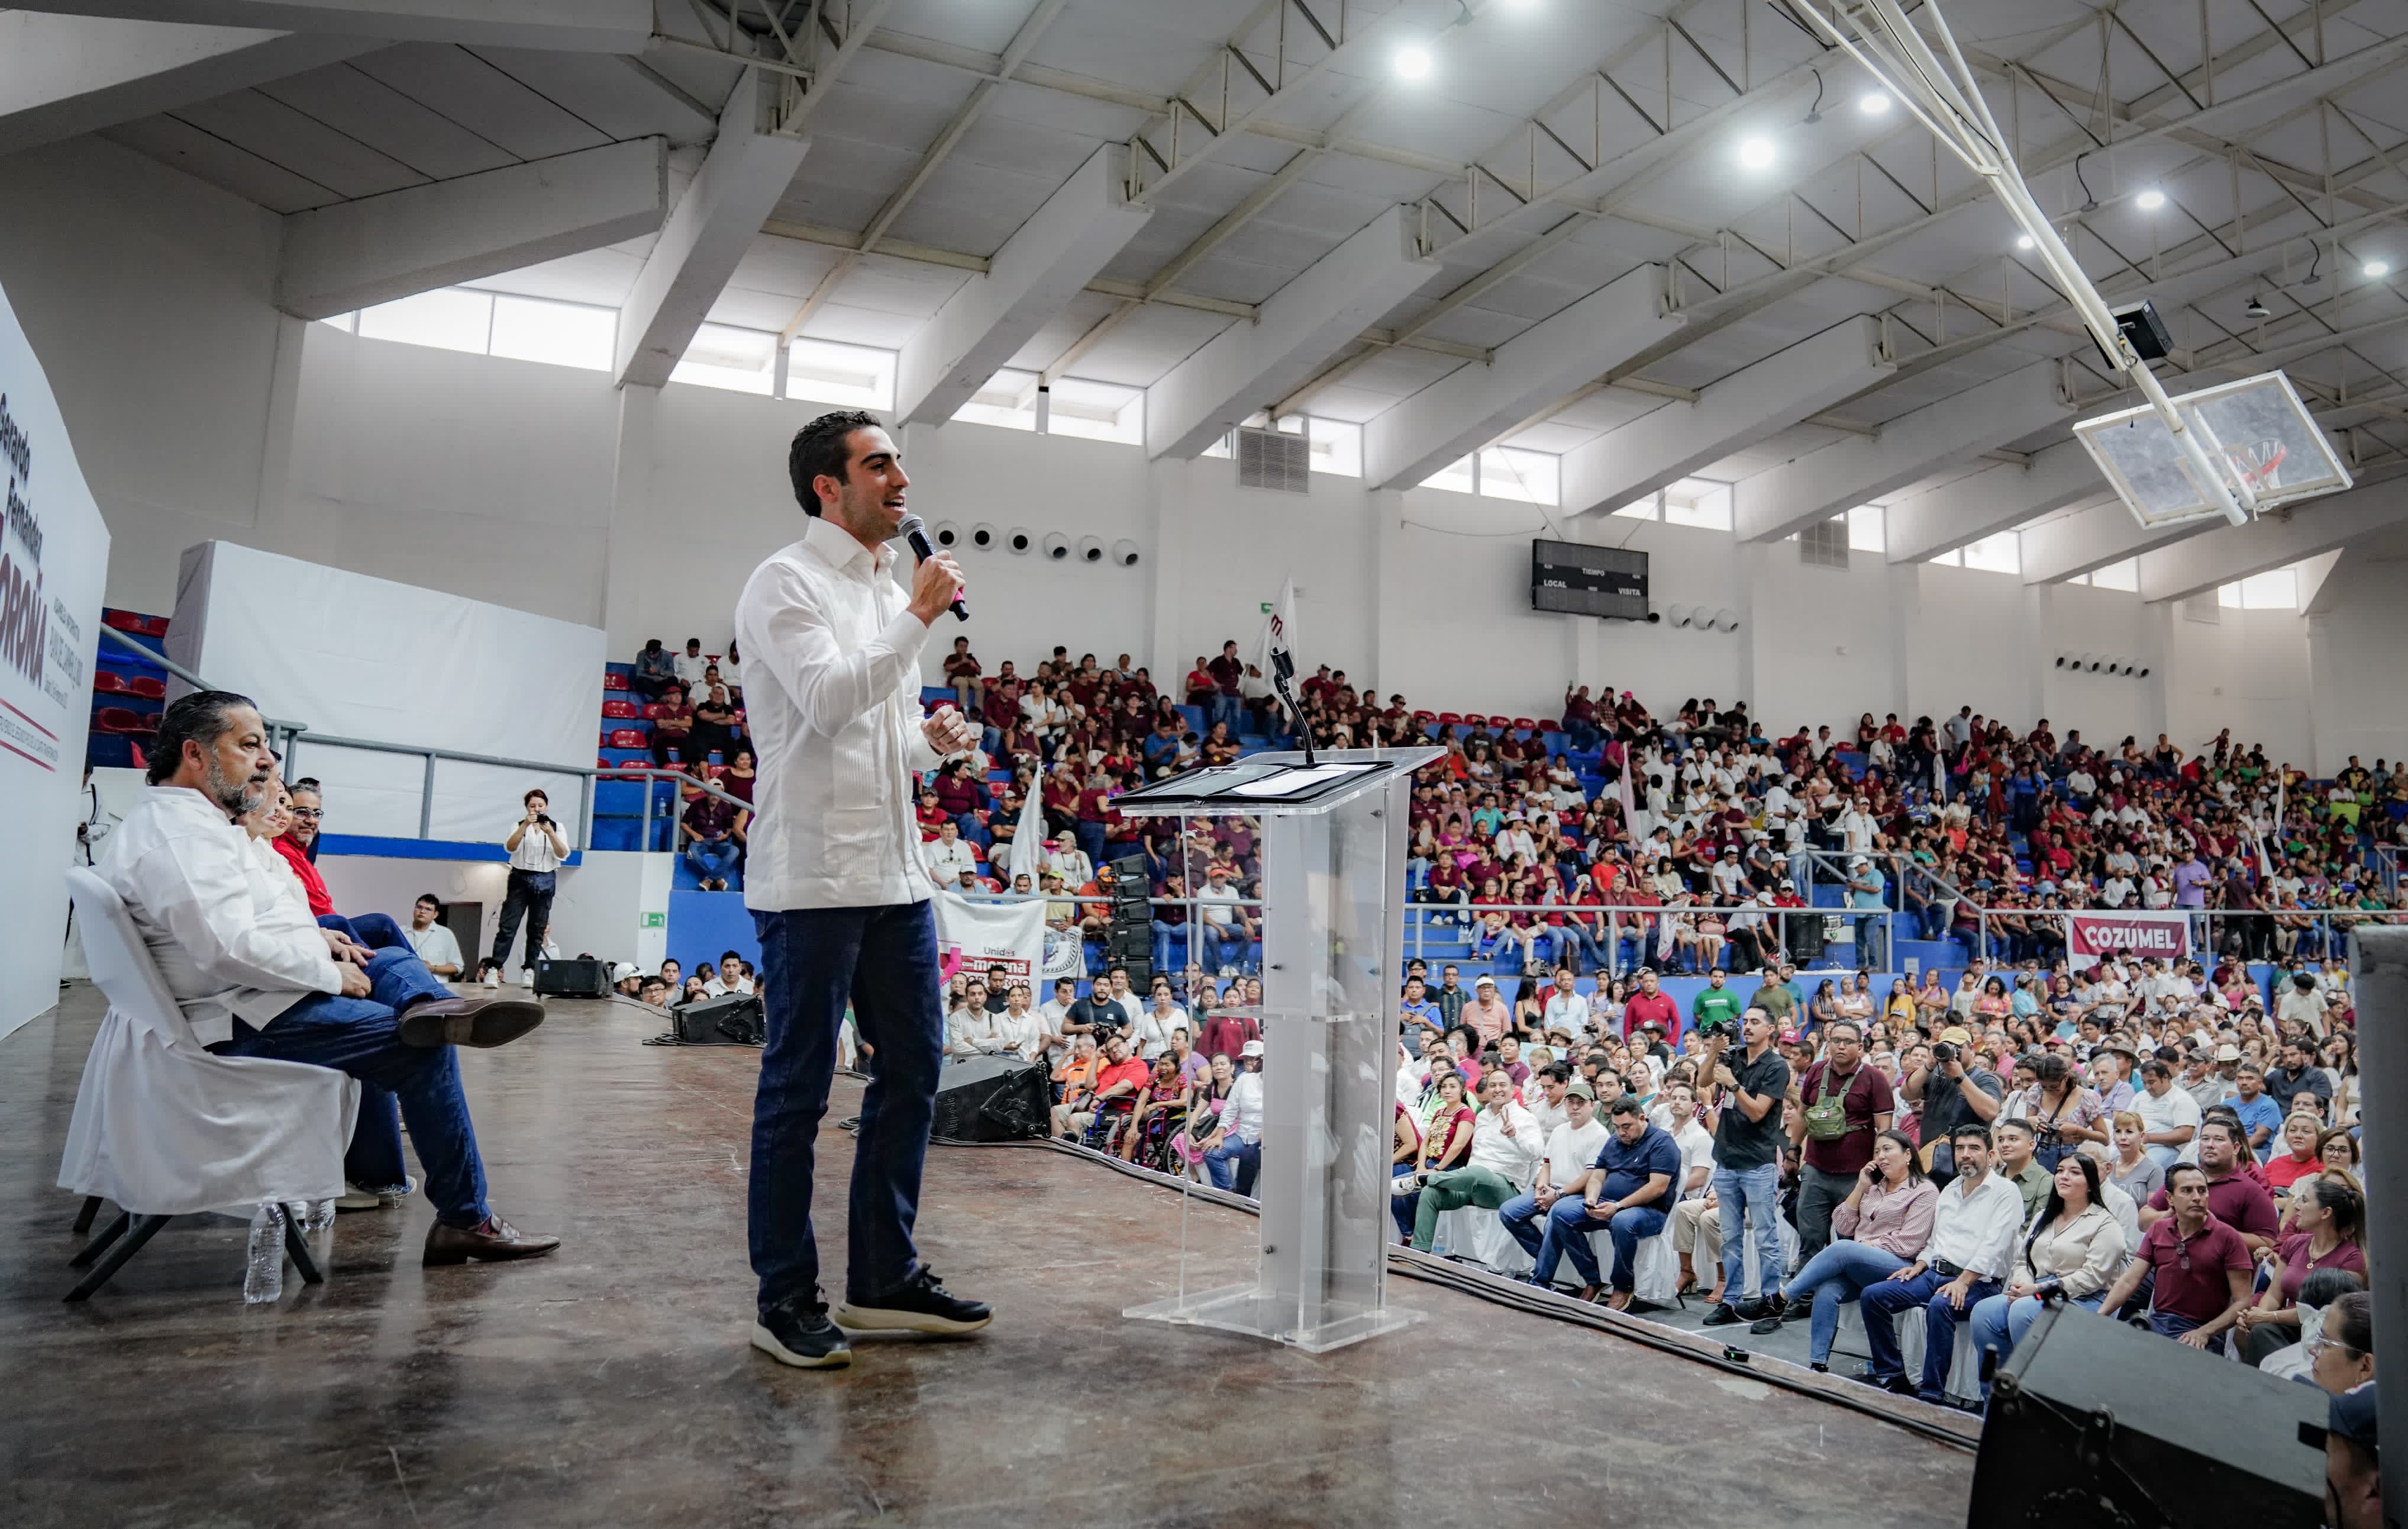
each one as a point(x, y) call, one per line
point(2000, 1322)
point(362, 1036)
point(1882, 1304)
point(1750, 1199)
point(2168, 1325)
point(1517, 1216)
point(1569, 1225)
point(1234, 1163)
point(374, 1159)
point(712, 859)
point(881, 960)
point(1837, 1273)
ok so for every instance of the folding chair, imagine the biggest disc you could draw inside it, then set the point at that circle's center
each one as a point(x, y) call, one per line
point(163, 1128)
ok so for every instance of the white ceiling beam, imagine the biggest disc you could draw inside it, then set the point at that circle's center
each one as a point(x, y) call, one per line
point(1813, 488)
point(2318, 590)
point(2313, 526)
point(1749, 405)
point(1249, 365)
point(749, 167)
point(1953, 515)
point(1472, 405)
point(64, 76)
point(2089, 540)
point(356, 254)
point(594, 26)
point(1043, 266)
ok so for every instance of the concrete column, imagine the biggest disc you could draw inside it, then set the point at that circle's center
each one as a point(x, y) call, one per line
point(1388, 614)
point(1167, 486)
point(275, 516)
point(2379, 974)
point(632, 554)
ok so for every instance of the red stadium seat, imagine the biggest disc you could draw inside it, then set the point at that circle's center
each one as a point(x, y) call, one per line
point(614, 680)
point(1448, 719)
point(1524, 725)
point(124, 621)
point(119, 720)
point(106, 683)
point(628, 737)
point(1550, 725)
point(148, 688)
point(1474, 718)
point(1425, 718)
point(625, 710)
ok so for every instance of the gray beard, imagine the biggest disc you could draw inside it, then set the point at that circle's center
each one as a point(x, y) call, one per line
point(234, 798)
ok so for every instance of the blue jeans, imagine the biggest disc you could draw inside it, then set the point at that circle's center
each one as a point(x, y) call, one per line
point(1091, 841)
point(2169, 1325)
point(1882, 1304)
point(1754, 1194)
point(2000, 1322)
point(1234, 1163)
point(1832, 1278)
point(1869, 928)
point(712, 859)
point(374, 1160)
point(1516, 1216)
point(1569, 1225)
point(883, 960)
point(362, 1036)
point(1164, 935)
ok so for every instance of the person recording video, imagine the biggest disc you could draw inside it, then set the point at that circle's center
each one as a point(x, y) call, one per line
point(536, 848)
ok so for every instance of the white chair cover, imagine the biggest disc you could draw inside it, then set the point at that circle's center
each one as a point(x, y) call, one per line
point(163, 1128)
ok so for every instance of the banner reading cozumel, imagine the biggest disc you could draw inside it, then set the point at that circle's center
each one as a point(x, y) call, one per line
point(2136, 934)
point(53, 563)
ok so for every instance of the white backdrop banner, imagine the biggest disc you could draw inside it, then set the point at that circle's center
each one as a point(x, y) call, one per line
point(2126, 935)
point(53, 566)
point(357, 657)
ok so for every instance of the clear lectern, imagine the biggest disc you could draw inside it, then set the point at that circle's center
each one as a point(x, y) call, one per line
point(1333, 883)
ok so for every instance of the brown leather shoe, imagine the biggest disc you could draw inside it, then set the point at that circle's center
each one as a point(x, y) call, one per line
point(469, 1021)
point(496, 1241)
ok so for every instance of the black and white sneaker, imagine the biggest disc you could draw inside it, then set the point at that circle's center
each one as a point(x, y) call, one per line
point(1722, 1315)
point(919, 1305)
point(799, 1334)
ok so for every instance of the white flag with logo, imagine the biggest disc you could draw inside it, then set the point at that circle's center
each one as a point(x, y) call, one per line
point(1279, 633)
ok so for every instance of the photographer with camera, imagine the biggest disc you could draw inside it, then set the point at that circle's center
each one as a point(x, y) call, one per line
point(1747, 1158)
point(1954, 1091)
point(536, 848)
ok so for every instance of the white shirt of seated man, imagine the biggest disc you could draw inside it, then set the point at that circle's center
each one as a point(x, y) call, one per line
point(972, 1030)
point(729, 977)
point(228, 941)
point(952, 862)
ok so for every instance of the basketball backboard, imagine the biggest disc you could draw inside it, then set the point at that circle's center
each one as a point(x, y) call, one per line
point(2256, 429)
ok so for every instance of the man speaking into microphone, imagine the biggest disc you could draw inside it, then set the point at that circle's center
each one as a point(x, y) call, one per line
point(835, 882)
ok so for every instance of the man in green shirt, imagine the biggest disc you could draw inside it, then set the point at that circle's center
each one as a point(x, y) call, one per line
point(1717, 1004)
point(2016, 1164)
point(1774, 999)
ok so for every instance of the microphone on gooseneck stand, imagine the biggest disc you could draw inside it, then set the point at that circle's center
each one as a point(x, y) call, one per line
point(915, 531)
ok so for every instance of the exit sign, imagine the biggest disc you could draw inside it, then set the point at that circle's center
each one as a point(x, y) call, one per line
point(656, 921)
point(1266, 607)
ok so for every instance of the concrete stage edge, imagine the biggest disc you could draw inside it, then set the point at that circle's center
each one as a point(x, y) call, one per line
point(612, 1383)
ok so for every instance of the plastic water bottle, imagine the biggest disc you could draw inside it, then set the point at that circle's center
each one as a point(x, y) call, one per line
point(321, 1216)
point(262, 1279)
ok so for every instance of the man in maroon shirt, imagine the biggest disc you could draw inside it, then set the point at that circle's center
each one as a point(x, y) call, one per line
point(1226, 1034)
point(1832, 1163)
point(1650, 1003)
point(1227, 671)
point(2236, 1199)
point(2200, 1265)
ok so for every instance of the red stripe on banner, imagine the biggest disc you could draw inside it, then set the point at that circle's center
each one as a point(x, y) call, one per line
point(35, 725)
point(21, 754)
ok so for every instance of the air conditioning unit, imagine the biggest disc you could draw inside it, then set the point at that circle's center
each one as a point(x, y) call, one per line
point(1274, 460)
point(1824, 545)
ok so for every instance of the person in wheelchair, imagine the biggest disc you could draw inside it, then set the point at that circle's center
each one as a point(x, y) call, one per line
point(1096, 1115)
point(1161, 1111)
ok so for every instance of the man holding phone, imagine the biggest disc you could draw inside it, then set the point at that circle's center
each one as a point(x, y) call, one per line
point(1747, 1158)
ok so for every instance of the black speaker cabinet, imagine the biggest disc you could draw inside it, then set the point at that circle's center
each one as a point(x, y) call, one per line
point(580, 979)
point(733, 1019)
point(2094, 1422)
point(992, 1098)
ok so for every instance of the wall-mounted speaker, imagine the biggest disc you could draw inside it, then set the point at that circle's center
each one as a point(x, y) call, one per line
point(1090, 549)
point(1057, 545)
point(983, 536)
point(1020, 539)
point(945, 533)
point(1124, 553)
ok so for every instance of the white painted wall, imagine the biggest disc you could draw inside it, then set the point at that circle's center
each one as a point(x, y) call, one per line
point(2359, 664)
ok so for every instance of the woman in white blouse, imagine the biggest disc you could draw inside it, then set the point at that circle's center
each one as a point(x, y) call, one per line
point(2075, 1249)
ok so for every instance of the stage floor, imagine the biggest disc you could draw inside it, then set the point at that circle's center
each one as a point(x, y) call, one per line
point(612, 1384)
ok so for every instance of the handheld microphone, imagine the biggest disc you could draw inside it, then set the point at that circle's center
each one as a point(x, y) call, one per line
point(915, 531)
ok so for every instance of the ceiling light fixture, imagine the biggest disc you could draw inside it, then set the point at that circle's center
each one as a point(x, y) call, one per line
point(2258, 308)
point(2378, 269)
point(2025, 241)
point(2150, 200)
point(1413, 62)
point(1873, 103)
point(1756, 153)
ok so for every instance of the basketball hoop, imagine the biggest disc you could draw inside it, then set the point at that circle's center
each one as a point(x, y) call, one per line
point(2278, 456)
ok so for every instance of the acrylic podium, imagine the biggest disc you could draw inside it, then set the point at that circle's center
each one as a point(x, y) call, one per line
point(1333, 881)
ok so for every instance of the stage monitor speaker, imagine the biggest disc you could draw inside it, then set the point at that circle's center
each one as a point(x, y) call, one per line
point(583, 978)
point(992, 1098)
point(733, 1019)
point(2095, 1422)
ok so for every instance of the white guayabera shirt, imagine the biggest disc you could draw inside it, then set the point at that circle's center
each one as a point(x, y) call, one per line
point(832, 653)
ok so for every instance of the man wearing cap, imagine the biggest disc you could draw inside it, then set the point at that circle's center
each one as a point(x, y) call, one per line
point(2353, 1462)
point(1233, 1153)
point(1947, 1095)
point(1650, 1004)
point(1834, 1151)
point(1572, 1147)
point(1488, 1014)
point(2203, 1079)
point(1867, 892)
